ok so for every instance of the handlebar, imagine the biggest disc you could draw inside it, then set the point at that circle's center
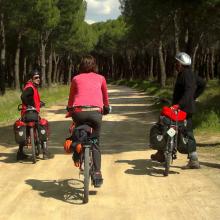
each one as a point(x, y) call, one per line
point(29, 107)
point(19, 107)
point(42, 104)
point(159, 100)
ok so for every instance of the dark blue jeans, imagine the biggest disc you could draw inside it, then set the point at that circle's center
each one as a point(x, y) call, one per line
point(191, 141)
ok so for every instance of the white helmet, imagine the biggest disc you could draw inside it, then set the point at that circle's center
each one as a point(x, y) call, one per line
point(183, 58)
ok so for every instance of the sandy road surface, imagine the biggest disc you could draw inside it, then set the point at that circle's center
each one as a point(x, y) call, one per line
point(134, 187)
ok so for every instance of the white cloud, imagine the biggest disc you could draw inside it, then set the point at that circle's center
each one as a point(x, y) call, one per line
point(89, 21)
point(102, 10)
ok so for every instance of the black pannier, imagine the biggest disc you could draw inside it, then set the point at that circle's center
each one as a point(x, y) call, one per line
point(158, 137)
point(20, 132)
point(31, 115)
point(43, 129)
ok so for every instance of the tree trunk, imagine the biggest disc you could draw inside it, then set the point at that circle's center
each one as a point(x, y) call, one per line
point(17, 64)
point(194, 56)
point(151, 75)
point(186, 36)
point(50, 67)
point(2, 62)
point(25, 70)
point(176, 32)
point(70, 71)
point(206, 59)
point(43, 62)
point(112, 67)
point(56, 60)
point(162, 65)
point(131, 75)
point(212, 61)
point(195, 51)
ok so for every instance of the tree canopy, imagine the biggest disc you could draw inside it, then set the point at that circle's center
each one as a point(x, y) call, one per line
point(141, 43)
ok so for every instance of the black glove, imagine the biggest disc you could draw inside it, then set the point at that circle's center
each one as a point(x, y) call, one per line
point(106, 110)
point(42, 104)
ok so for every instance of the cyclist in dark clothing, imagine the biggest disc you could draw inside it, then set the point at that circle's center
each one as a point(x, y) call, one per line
point(187, 88)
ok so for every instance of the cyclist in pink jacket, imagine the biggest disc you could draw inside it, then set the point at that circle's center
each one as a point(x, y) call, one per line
point(89, 97)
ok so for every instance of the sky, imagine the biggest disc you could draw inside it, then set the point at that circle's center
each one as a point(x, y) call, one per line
point(102, 10)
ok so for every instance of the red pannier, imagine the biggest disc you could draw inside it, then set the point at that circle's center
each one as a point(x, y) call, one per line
point(170, 113)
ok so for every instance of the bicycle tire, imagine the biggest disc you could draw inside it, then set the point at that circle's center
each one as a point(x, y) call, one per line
point(45, 148)
point(167, 163)
point(33, 145)
point(37, 145)
point(86, 175)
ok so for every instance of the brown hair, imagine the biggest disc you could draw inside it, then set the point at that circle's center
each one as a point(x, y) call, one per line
point(88, 64)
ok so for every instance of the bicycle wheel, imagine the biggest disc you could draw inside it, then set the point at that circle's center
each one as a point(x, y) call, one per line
point(167, 163)
point(168, 155)
point(86, 175)
point(33, 145)
point(37, 144)
point(45, 149)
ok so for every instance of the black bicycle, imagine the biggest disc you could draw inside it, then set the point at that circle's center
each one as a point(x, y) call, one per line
point(87, 167)
point(167, 134)
point(83, 149)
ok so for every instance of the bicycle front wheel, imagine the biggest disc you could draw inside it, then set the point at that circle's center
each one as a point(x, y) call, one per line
point(33, 145)
point(86, 175)
point(167, 163)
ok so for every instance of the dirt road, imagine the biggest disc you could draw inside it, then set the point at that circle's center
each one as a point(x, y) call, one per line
point(134, 187)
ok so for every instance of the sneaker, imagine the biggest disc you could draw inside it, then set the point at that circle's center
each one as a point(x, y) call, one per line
point(158, 156)
point(21, 155)
point(192, 164)
point(97, 179)
point(76, 159)
point(47, 155)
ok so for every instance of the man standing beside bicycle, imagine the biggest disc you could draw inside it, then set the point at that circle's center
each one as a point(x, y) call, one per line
point(187, 88)
point(89, 97)
point(30, 97)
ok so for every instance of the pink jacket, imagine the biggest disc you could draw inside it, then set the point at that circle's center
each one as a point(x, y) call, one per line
point(88, 89)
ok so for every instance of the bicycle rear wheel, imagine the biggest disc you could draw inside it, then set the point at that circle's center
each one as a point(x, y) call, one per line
point(33, 145)
point(86, 175)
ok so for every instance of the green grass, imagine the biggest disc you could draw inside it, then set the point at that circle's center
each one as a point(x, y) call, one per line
point(10, 101)
point(207, 116)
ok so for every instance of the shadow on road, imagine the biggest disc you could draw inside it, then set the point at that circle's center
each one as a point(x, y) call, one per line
point(68, 190)
point(8, 157)
point(208, 144)
point(212, 165)
point(145, 167)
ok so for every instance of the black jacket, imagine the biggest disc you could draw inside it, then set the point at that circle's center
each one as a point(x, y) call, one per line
point(27, 97)
point(187, 88)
